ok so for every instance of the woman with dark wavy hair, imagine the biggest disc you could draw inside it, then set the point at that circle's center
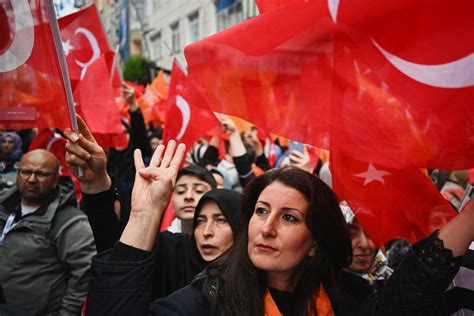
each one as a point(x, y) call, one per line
point(287, 260)
point(292, 247)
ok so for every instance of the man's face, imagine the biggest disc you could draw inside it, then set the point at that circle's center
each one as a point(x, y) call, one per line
point(363, 248)
point(37, 177)
point(187, 193)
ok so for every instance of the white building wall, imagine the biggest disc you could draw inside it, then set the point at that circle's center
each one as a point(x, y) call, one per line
point(165, 13)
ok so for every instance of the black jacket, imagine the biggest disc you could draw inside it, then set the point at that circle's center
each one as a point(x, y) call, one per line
point(415, 288)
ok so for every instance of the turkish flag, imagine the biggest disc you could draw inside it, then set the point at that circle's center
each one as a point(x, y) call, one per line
point(32, 91)
point(395, 76)
point(84, 40)
point(187, 118)
point(94, 96)
point(47, 139)
point(389, 203)
point(94, 76)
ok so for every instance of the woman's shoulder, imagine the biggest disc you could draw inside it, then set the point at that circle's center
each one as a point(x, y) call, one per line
point(189, 300)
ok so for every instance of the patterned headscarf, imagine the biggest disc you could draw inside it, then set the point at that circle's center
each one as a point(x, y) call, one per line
point(379, 269)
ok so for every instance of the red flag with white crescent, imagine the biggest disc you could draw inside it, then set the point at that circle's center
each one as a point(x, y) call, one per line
point(187, 118)
point(83, 40)
point(94, 76)
point(32, 88)
point(395, 76)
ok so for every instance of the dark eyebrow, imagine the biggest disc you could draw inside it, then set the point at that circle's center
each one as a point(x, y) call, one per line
point(285, 208)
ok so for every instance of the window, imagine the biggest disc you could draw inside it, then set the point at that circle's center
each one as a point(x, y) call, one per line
point(194, 27)
point(230, 15)
point(156, 43)
point(175, 38)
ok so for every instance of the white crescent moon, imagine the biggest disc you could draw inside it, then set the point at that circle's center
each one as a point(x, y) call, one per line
point(24, 40)
point(333, 8)
point(183, 106)
point(94, 45)
point(455, 74)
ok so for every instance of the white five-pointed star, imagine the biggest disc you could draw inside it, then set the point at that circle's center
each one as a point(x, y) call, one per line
point(372, 174)
point(67, 47)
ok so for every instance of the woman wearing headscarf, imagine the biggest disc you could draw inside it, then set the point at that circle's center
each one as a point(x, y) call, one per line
point(10, 152)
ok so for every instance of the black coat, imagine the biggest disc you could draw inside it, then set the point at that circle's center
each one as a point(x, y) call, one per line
point(415, 288)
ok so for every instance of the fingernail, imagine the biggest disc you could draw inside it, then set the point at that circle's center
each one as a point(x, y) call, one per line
point(73, 137)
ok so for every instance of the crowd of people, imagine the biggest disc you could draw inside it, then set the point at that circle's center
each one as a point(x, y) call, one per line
point(217, 229)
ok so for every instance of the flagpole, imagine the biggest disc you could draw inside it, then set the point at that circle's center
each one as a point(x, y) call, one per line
point(180, 63)
point(53, 22)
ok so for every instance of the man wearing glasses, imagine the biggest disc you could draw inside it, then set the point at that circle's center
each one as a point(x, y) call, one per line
point(46, 243)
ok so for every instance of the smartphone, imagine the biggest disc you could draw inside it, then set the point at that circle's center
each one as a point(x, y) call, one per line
point(468, 195)
point(294, 145)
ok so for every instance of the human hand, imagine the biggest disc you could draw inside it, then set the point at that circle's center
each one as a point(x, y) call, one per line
point(227, 125)
point(301, 160)
point(83, 151)
point(154, 184)
point(129, 96)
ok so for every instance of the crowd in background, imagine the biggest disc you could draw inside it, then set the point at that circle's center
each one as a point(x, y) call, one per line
point(208, 189)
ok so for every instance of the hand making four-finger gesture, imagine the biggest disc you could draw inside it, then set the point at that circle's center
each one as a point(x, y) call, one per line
point(151, 194)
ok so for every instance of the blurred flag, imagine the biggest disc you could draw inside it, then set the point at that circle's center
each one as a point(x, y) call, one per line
point(354, 69)
point(389, 203)
point(153, 101)
point(187, 118)
point(32, 90)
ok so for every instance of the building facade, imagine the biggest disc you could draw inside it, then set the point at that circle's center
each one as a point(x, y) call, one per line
point(173, 24)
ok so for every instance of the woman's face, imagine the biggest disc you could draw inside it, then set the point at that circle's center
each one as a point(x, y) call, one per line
point(213, 233)
point(363, 248)
point(8, 145)
point(279, 238)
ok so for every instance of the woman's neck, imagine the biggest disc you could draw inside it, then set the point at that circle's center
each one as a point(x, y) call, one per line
point(279, 281)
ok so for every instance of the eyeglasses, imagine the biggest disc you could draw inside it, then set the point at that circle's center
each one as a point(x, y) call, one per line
point(40, 175)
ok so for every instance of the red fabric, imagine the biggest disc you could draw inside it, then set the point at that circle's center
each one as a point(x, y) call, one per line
point(47, 139)
point(95, 98)
point(389, 202)
point(84, 40)
point(168, 217)
point(94, 76)
point(187, 118)
point(387, 82)
point(286, 80)
point(30, 76)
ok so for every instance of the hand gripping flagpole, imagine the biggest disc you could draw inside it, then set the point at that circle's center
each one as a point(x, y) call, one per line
point(53, 22)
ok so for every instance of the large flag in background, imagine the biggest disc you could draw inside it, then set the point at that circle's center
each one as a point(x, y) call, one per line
point(387, 86)
point(187, 118)
point(32, 91)
point(389, 203)
point(400, 71)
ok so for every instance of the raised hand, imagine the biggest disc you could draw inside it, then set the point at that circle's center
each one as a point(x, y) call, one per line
point(83, 151)
point(151, 194)
point(301, 160)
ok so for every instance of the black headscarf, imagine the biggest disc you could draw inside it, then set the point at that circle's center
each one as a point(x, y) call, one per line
point(179, 260)
point(229, 204)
